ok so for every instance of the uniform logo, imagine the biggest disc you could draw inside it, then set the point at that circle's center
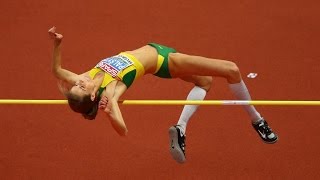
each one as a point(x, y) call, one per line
point(114, 65)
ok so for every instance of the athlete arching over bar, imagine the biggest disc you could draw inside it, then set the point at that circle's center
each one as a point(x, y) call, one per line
point(102, 86)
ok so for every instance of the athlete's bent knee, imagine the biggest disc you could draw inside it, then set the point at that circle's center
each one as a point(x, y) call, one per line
point(205, 83)
point(234, 75)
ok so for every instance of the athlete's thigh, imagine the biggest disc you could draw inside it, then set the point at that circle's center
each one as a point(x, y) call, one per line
point(186, 65)
point(204, 82)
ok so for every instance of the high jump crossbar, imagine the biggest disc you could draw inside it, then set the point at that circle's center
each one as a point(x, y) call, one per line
point(174, 102)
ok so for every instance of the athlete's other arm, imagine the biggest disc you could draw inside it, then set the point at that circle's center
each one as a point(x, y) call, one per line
point(109, 104)
point(57, 70)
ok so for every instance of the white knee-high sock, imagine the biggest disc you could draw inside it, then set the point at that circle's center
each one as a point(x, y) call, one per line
point(196, 93)
point(241, 93)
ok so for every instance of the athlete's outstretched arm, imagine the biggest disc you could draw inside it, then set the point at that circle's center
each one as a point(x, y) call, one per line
point(109, 104)
point(57, 70)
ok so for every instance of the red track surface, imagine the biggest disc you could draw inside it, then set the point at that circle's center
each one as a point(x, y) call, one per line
point(277, 39)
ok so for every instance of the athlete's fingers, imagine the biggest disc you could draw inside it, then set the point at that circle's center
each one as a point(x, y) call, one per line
point(54, 35)
point(58, 36)
point(104, 99)
point(102, 106)
point(103, 102)
point(52, 30)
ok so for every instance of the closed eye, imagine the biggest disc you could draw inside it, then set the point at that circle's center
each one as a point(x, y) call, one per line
point(81, 87)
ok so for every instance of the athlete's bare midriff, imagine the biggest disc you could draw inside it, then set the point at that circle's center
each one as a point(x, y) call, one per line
point(148, 57)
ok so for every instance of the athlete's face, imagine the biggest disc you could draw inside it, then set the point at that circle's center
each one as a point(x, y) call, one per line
point(84, 86)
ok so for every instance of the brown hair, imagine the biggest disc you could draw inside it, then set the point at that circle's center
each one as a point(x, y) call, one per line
point(83, 105)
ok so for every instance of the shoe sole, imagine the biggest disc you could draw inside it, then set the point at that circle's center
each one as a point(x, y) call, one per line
point(175, 151)
point(271, 142)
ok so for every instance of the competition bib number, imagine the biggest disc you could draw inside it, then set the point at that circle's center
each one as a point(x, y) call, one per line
point(115, 64)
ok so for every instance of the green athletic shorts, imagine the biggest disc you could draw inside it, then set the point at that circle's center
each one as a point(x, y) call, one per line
point(162, 64)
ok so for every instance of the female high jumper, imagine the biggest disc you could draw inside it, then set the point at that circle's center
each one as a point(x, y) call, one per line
point(102, 86)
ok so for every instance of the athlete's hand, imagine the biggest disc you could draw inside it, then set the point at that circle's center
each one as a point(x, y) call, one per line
point(54, 35)
point(104, 104)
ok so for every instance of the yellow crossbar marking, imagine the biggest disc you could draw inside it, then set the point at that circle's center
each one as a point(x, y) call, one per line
point(174, 102)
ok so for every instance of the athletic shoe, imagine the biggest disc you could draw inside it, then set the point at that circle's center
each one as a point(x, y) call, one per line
point(265, 132)
point(177, 144)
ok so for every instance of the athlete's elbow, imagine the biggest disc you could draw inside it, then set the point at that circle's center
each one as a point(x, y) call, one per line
point(124, 133)
point(56, 72)
point(120, 128)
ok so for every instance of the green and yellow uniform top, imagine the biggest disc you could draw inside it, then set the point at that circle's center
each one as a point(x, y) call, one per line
point(122, 67)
